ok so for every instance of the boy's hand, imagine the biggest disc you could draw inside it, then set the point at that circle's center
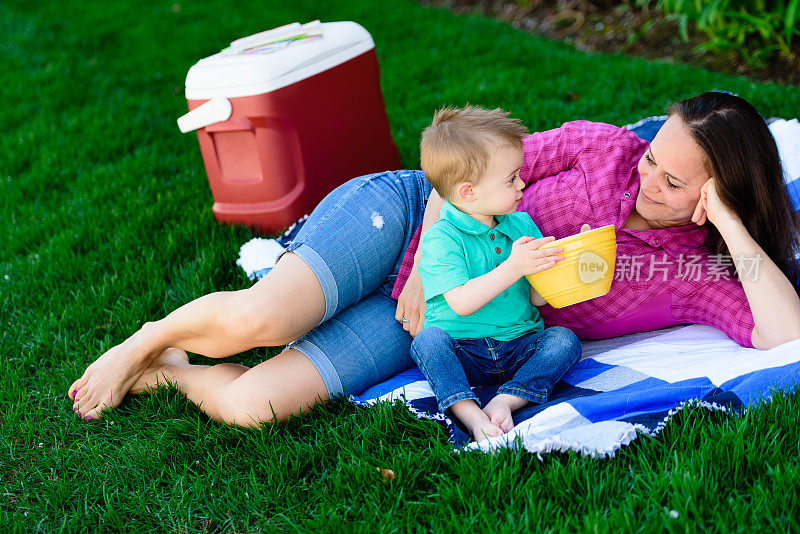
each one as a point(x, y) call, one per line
point(527, 258)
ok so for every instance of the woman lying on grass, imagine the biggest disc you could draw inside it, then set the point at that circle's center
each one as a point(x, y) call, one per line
point(705, 196)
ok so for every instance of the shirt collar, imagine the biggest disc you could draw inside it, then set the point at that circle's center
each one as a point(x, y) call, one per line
point(468, 225)
point(675, 240)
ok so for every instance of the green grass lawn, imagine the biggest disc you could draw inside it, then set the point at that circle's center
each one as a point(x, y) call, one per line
point(107, 224)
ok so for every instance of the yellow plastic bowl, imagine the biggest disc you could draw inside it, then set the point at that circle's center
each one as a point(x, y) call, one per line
point(586, 271)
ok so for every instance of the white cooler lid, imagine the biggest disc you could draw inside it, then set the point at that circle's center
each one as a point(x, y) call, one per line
point(235, 75)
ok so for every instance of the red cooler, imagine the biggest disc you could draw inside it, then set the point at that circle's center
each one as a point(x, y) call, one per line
point(278, 131)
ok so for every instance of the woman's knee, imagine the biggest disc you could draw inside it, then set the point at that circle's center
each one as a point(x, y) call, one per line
point(239, 315)
point(260, 317)
point(278, 309)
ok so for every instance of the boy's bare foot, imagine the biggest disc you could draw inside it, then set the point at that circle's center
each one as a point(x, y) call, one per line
point(158, 372)
point(485, 430)
point(476, 420)
point(499, 410)
point(107, 380)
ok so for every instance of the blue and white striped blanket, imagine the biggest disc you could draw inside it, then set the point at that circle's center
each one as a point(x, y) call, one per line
point(635, 383)
point(622, 387)
point(787, 136)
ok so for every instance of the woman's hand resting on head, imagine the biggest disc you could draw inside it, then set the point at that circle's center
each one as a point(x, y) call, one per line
point(710, 206)
point(411, 304)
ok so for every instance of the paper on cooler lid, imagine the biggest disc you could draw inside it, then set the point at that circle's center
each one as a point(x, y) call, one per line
point(271, 41)
point(246, 74)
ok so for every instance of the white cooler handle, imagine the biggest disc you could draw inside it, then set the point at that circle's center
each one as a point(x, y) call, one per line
point(215, 110)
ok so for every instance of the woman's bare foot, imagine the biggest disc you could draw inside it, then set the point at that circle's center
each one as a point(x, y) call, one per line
point(108, 379)
point(484, 430)
point(499, 410)
point(158, 371)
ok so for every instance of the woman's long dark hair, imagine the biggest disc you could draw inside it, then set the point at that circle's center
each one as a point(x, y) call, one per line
point(744, 160)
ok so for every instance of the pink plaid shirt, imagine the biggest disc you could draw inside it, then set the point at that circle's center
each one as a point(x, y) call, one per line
point(585, 172)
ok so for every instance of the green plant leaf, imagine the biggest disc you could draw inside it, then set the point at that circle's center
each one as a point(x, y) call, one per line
point(789, 21)
point(683, 27)
point(761, 25)
point(712, 17)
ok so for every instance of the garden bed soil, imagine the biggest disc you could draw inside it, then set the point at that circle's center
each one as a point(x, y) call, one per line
point(612, 27)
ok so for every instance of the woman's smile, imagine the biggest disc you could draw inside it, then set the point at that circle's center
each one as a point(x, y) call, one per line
point(649, 200)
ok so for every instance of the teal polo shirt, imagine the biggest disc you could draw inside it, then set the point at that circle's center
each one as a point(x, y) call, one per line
point(456, 249)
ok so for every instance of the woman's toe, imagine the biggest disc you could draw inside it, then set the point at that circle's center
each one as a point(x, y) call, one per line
point(92, 415)
point(86, 403)
point(80, 398)
point(75, 387)
point(82, 392)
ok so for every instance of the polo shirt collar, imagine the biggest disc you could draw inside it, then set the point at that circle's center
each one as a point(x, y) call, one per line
point(674, 240)
point(468, 225)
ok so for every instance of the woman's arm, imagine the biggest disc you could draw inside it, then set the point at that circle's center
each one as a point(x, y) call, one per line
point(411, 301)
point(772, 298)
point(551, 152)
point(432, 210)
point(536, 299)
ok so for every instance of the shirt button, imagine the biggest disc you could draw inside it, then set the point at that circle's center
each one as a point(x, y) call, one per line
point(626, 194)
point(491, 236)
point(655, 241)
point(497, 250)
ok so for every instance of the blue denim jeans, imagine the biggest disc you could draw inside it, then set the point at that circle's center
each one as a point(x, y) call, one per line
point(527, 367)
point(354, 242)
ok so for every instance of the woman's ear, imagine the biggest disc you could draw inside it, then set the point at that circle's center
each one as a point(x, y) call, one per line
point(466, 191)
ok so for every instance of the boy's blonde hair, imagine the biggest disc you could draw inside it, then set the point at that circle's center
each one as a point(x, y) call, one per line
point(455, 147)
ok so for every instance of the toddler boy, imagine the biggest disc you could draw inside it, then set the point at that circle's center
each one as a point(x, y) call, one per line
point(480, 324)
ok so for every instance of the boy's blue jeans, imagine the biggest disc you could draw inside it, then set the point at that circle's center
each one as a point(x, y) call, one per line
point(528, 366)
